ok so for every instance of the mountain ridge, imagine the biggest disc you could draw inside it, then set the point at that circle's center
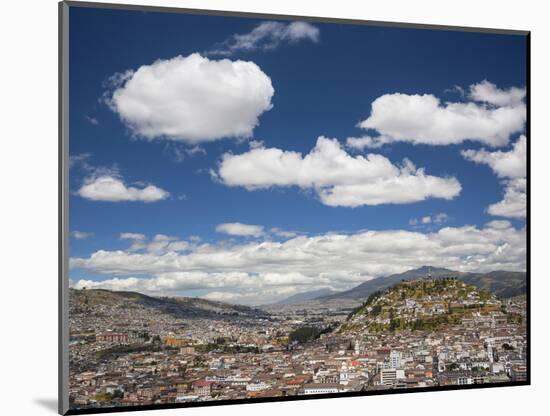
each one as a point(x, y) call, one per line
point(184, 307)
point(305, 296)
point(500, 282)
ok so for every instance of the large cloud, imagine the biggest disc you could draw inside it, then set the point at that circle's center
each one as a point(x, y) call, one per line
point(113, 189)
point(491, 117)
point(338, 178)
point(512, 167)
point(302, 263)
point(192, 99)
point(267, 36)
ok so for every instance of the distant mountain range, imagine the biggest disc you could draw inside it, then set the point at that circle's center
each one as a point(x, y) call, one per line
point(305, 296)
point(180, 307)
point(503, 284)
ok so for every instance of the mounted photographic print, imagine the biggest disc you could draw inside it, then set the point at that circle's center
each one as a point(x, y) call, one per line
point(263, 208)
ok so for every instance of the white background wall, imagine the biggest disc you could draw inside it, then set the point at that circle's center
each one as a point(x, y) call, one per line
point(28, 185)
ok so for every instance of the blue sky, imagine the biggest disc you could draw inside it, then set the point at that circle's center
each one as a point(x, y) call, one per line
point(325, 79)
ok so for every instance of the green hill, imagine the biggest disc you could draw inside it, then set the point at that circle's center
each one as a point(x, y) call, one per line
point(421, 304)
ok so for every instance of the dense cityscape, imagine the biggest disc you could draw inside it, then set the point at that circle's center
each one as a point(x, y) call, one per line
point(265, 207)
point(129, 349)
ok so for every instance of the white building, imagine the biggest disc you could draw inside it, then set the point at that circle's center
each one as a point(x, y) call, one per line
point(388, 376)
point(395, 359)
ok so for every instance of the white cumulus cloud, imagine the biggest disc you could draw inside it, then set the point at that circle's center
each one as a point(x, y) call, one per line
point(338, 178)
point(491, 116)
point(132, 236)
point(514, 203)
point(360, 143)
point(113, 189)
point(512, 167)
point(267, 36)
point(192, 99)
point(511, 164)
point(488, 92)
point(239, 229)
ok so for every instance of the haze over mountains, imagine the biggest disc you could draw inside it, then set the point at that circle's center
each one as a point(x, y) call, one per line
point(305, 296)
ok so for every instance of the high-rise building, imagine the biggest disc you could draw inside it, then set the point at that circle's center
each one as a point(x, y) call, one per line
point(395, 359)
